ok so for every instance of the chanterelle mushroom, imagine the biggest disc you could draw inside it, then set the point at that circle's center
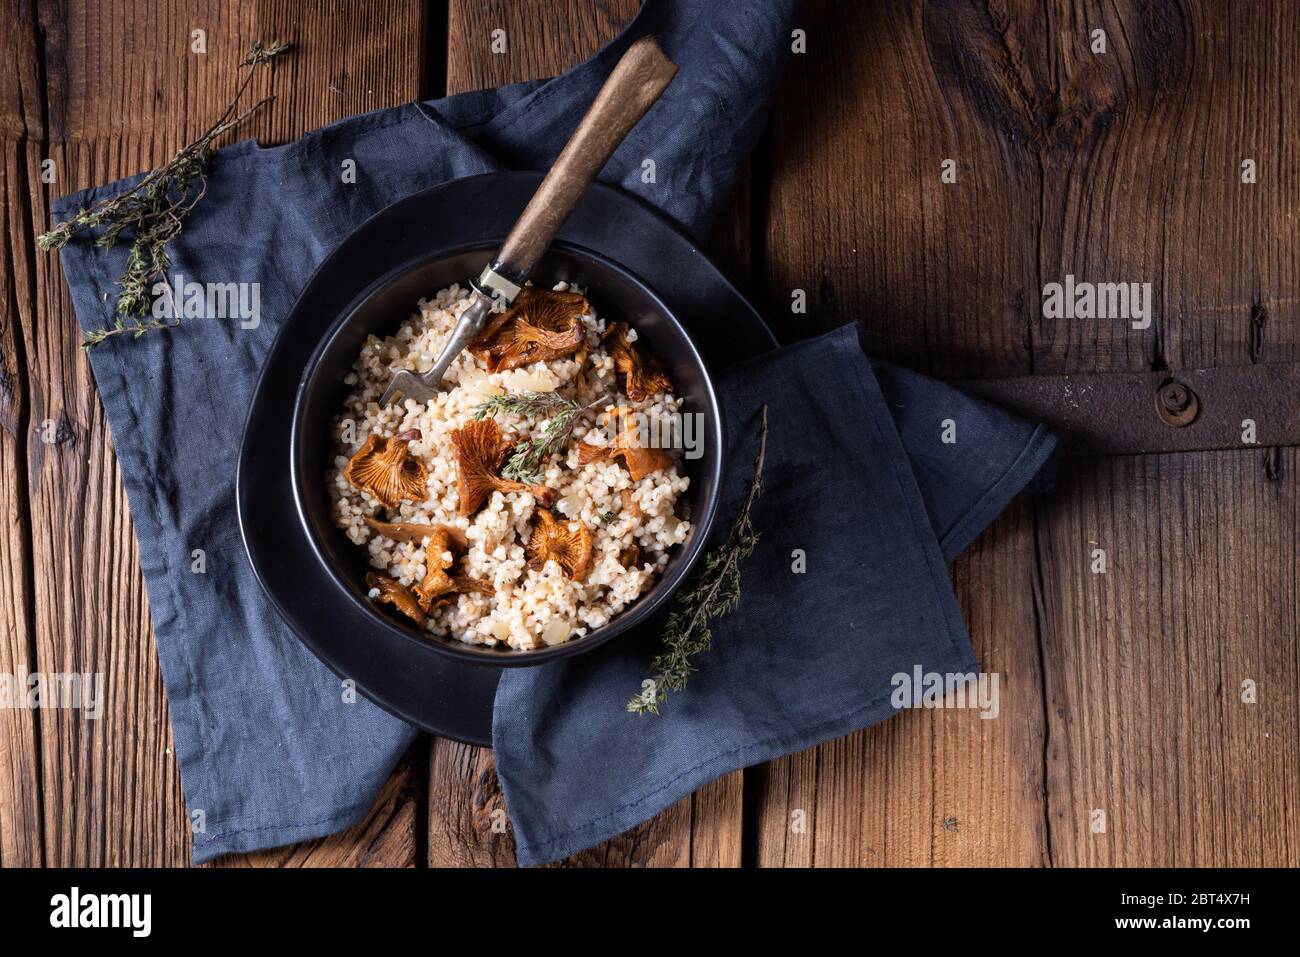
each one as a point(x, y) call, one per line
point(384, 468)
point(540, 326)
point(479, 453)
point(413, 531)
point(570, 548)
point(642, 374)
point(640, 460)
point(392, 592)
point(439, 556)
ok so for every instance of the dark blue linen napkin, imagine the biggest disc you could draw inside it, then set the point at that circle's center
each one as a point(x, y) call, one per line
point(270, 751)
point(846, 588)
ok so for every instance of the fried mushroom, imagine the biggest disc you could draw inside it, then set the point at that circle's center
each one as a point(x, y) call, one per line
point(384, 468)
point(440, 555)
point(640, 460)
point(568, 544)
point(412, 531)
point(541, 325)
point(480, 449)
point(392, 592)
point(642, 374)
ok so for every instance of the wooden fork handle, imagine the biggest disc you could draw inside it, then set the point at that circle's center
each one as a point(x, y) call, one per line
point(632, 88)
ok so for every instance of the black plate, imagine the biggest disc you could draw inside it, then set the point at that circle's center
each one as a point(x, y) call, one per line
point(441, 695)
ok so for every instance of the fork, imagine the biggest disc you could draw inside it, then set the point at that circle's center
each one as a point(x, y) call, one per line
point(636, 82)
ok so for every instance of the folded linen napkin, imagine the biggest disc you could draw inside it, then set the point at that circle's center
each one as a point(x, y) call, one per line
point(268, 751)
point(811, 651)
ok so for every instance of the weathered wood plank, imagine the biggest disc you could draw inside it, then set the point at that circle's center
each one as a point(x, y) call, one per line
point(22, 132)
point(1146, 661)
point(1114, 167)
point(1142, 151)
point(859, 218)
point(465, 800)
point(1149, 660)
point(541, 38)
point(1144, 694)
point(468, 826)
point(122, 99)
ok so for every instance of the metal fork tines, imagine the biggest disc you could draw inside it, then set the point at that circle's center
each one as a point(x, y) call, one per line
point(423, 387)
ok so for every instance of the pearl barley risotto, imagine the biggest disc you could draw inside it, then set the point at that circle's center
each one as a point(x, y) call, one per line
point(528, 504)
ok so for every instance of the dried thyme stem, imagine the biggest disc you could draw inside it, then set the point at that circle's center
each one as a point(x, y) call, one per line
point(713, 592)
point(154, 210)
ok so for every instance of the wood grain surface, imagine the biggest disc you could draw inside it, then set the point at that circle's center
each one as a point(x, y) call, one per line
point(21, 132)
point(1146, 693)
point(1123, 166)
point(1121, 691)
point(119, 90)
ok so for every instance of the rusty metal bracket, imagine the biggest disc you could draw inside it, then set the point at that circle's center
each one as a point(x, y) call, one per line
point(1133, 413)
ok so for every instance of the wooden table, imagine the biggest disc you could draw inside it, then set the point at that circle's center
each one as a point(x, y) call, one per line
point(1121, 692)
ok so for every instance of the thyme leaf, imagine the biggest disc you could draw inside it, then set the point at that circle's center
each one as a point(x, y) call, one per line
point(526, 461)
point(529, 404)
point(713, 591)
point(152, 213)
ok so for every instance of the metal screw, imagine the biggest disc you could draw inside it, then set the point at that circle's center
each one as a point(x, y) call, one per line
point(1177, 404)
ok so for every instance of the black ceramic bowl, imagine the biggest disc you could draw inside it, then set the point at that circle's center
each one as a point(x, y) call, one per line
point(616, 294)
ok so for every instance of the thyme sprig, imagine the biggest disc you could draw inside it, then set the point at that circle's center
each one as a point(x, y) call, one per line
point(525, 463)
point(152, 213)
point(529, 404)
point(714, 591)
